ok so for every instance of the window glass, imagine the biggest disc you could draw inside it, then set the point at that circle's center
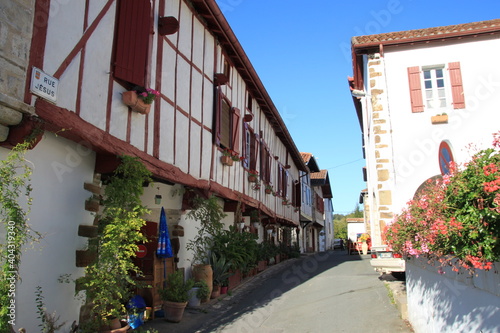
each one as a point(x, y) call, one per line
point(434, 83)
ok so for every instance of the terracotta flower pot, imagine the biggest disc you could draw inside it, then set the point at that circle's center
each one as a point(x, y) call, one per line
point(215, 292)
point(174, 311)
point(252, 179)
point(131, 99)
point(204, 273)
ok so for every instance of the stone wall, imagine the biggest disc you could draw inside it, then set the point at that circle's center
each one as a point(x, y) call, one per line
point(381, 133)
point(16, 25)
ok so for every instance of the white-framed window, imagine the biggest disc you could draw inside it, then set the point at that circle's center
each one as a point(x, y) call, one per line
point(434, 86)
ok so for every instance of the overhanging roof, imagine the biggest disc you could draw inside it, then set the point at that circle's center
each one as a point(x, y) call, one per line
point(217, 23)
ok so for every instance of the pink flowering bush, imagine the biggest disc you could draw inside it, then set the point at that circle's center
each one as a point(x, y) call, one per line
point(455, 219)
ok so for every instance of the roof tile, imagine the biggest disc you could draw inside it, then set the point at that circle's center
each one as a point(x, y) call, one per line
point(443, 31)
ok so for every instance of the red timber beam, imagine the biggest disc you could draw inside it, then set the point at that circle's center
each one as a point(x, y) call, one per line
point(70, 126)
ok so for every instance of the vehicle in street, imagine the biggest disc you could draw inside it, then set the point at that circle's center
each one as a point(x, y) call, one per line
point(337, 243)
point(385, 261)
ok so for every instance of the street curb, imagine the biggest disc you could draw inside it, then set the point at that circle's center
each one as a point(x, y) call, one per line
point(398, 289)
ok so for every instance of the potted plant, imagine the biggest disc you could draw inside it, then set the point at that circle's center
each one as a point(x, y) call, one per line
point(175, 296)
point(364, 238)
point(209, 213)
point(220, 268)
point(224, 287)
point(269, 189)
point(140, 99)
point(199, 292)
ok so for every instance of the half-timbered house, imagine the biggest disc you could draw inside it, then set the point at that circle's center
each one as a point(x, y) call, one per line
point(86, 62)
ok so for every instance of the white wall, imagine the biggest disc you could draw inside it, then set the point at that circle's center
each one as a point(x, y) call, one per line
point(441, 303)
point(60, 168)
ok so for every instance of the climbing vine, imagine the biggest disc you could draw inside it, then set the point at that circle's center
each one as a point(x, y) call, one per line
point(109, 280)
point(15, 203)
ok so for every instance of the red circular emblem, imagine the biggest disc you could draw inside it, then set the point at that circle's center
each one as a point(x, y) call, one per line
point(142, 251)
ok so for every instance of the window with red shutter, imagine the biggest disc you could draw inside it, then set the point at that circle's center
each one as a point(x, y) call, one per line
point(132, 39)
point(457, 90)
point(227, 123)
point(265, 163)
point(417, 104)
point(297, 195)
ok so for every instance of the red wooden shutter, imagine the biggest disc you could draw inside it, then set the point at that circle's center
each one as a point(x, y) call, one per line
point(457, 89)
point(132, 41)
point(298, 194)
point(225, 124)
point(417, 104)
point(235, 140)
point(280, 181)
point(254, 150)
point(265, 162)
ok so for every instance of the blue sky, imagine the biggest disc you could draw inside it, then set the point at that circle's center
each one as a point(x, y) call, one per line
point(301, 52)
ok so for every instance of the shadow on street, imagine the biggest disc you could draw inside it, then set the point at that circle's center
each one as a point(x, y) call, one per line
point(265, 288)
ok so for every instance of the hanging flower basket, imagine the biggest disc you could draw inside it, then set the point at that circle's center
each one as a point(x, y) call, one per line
point(253, 176)
point(226, 160)
point(252, 179)
point(133, 101)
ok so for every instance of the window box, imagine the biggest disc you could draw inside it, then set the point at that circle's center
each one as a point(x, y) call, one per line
point(440, 119)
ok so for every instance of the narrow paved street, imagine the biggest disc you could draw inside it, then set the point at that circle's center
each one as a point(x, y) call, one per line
point(327, 292)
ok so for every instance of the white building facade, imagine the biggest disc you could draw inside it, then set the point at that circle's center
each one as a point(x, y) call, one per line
point(422, 98)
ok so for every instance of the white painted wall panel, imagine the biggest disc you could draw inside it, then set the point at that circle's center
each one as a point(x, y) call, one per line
point(185, 30)
point(182, 142)
point(197, 95)
point(138, 130)
point(194, 149)
point(168, 72)
point(60, 42)
point(183, 89)
point(198, 44)
point(208, 63)
point(206, 153)
point(119, 114)
point(68, 85)
point(208, 103)
point(167, 133)
point(96, 75)
point(96, 6)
